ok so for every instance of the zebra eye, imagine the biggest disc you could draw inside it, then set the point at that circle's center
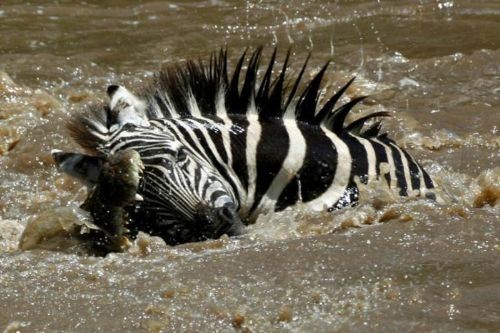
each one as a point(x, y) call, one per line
point(181, 155)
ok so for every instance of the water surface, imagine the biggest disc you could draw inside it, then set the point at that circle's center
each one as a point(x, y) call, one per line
point(387, 265)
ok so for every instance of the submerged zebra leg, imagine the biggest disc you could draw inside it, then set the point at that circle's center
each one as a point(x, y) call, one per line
point(116, 188)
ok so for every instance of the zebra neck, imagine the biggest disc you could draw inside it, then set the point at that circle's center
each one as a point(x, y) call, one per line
point(256, 158)
point(266, 157)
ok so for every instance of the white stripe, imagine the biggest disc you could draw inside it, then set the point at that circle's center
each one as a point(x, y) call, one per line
point(155, 107)
point(423, 189)
point(221, 111)
point(181, 182)
point(100, 135)
point(222, 200)
point(252, 140)
point(99, 127)
point(193, 106)
point(220, 103)
point(252, 109)
point(123, 94)
point(202, 183)
point(392, 167)
point(140, 143)
point(406, 170)
point(371, 157)
point(175, 124)
point(166, 195)
point(186, 195)
point(204, 131)
point(226, 139)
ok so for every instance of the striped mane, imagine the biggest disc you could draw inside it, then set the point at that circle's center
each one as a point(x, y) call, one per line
point(197, 88)
point(207, 84)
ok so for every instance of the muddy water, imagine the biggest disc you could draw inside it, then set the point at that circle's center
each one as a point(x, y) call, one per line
point(386, 265)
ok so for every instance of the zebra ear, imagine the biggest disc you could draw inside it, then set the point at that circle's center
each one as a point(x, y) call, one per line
point(85, 168)
point(120, 96)
point(126, 108)
point(112, 90)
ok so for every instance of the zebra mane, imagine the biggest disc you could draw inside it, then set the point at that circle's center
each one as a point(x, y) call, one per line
point(180, 87)
point(205, 89)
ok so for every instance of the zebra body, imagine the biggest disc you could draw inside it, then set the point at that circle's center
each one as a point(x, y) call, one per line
point(209, 143)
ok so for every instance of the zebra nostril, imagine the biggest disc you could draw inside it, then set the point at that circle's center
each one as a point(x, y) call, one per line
point(229, 221)
point(226, 213)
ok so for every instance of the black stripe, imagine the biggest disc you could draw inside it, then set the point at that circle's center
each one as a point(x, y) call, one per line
point(136, 143)
point(146, 136)
point(414, 172)
point(272, 149)
point(197, 179)
point(238, 139)
point(217, 139)
point(216, 195)
point(157, 161)
point(399, 170)
point(320, 163)
point(183, 135)
point(359, 168)
point(318, 171)
point(150, 190)
point(359, 158)
point(215, 135)
point(429, 185)
point(161, 104)
point(381, 156)
point(430, 195)
point(427, 180)
point(289, 196)
point(349, 198)
point(221, 167)
point(200, 138)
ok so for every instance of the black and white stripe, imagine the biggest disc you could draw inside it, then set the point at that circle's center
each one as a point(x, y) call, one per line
point(209, 138)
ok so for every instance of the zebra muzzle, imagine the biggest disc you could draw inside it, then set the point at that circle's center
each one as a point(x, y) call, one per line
point(229, 214)
point(216, 222)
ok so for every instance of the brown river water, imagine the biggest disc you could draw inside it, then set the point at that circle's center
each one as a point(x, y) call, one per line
point(388, 265)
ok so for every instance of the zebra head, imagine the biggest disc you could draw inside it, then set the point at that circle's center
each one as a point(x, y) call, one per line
point(182, 197)
point(189, 197)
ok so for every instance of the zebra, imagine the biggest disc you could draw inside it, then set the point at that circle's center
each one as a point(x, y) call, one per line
point(220, 149)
